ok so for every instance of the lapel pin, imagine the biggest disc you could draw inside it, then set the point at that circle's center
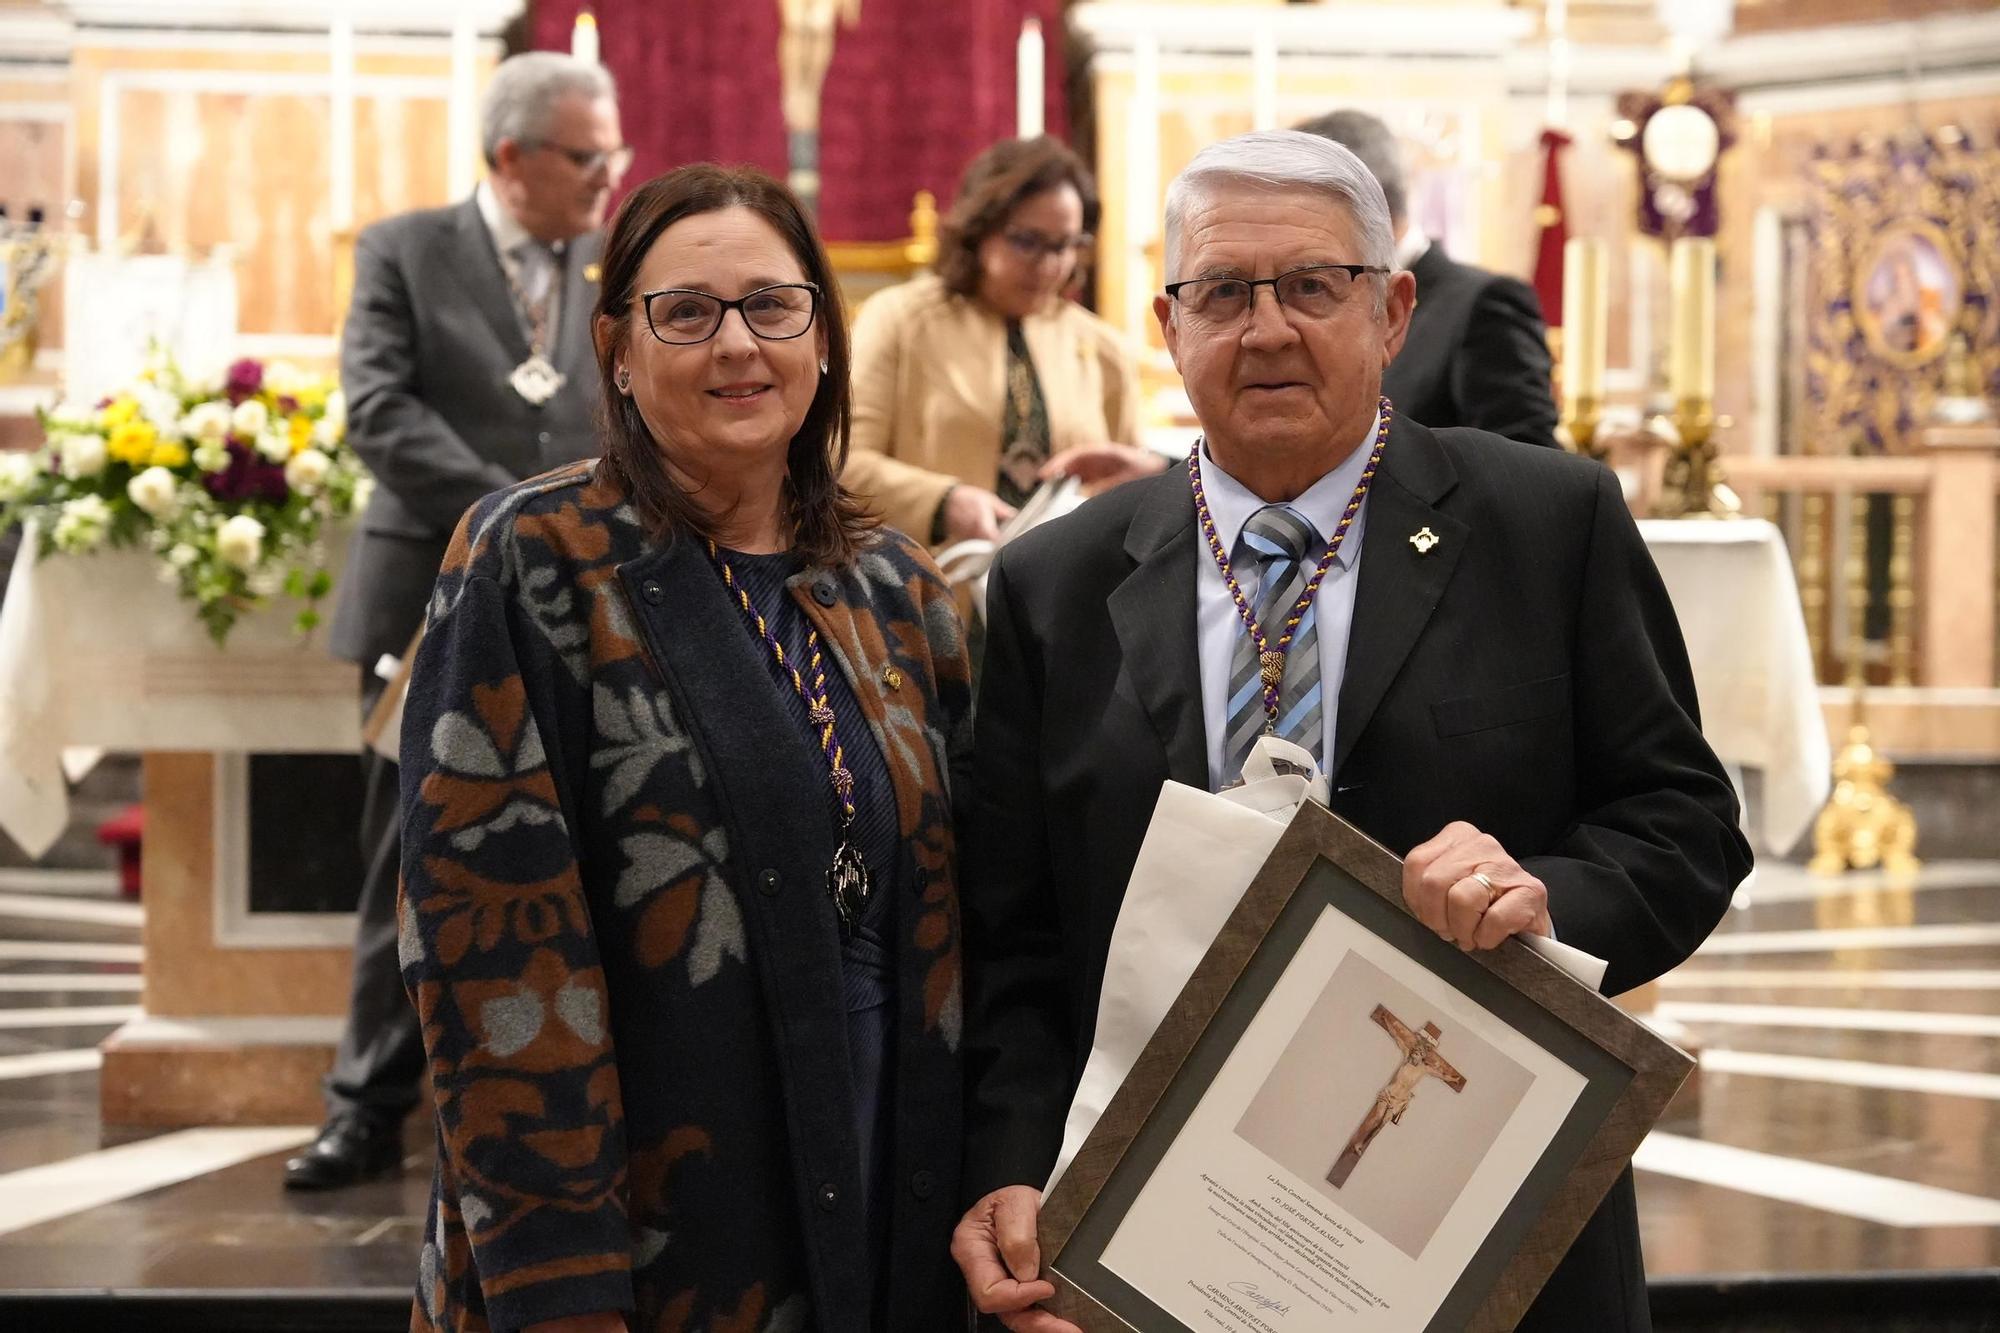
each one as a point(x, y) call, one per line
point(1424, 539)
point(592, 272)
point(892, 678)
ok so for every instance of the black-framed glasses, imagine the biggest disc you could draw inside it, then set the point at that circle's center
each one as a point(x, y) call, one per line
point(590, 160)
point(1033, 245)
point(680, 315)
point(1315, 292)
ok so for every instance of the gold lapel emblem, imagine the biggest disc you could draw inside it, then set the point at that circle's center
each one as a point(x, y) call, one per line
point(1424, 539)
point(592, 272)
point(892, 678)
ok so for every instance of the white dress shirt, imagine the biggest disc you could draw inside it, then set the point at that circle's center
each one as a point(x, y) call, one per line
point(529, 264)
point(1218, 628)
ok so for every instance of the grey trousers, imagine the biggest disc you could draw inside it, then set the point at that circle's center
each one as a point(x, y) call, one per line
point(380, 1062)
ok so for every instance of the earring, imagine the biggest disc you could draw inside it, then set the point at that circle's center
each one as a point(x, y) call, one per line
point(624, 380)
point(822, 365)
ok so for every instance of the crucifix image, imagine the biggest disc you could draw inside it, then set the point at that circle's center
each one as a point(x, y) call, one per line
point(805, 49)
point(1420, 1061)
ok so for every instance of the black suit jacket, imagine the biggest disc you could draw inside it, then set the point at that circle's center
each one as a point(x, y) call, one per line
point(1477, 354)
point(430, 340)
point(1527, 675)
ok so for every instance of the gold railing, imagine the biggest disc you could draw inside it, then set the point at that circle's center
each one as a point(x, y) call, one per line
point(1895, 557)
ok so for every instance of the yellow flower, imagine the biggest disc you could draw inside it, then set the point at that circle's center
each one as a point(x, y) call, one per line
point(301, 428)
point(133, 442)
point(312, 397)
point(121, 411)
point(168, 453)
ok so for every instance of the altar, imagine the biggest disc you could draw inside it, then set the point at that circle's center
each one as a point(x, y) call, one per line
point(250, 860)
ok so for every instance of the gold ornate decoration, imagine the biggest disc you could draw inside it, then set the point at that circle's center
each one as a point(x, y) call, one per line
point(1905, 257)
point(1424, 539)
point(1863, 826)
point(806, 36)
point(1693, 484)
point(1902, 590)
point(27, 261)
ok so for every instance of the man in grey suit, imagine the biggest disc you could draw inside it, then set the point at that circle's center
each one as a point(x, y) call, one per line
point(467, 364)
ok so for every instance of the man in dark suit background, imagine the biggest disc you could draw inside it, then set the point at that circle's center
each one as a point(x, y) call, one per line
point(467, 364)
point(1478, 351)
point(1491, 673)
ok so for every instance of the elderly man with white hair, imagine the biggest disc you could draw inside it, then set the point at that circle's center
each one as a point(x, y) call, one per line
point(467, 361)
point(1485, 663)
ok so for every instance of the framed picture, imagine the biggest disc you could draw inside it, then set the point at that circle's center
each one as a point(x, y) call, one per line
point(1346, 1123)
point(1908, 291)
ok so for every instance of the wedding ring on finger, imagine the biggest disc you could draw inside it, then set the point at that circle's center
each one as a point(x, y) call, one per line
point(1493, 890)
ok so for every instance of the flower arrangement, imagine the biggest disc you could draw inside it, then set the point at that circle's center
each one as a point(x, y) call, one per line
point(230, 485)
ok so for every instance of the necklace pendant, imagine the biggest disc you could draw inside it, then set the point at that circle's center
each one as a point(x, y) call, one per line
point(847, 883)
point(536, 380)
point(1271, 667)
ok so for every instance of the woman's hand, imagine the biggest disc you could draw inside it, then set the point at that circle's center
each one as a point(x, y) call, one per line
point(971, 513)
point(608, 1322)
point(1101, 466)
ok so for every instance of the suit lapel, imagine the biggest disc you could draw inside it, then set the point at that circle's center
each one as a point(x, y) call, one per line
point(1400, 585)
point(479, 273)
point(1153, 614)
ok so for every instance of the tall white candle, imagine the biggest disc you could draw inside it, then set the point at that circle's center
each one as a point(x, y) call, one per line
point(341, 140)
point(583, 37)
point(461, 112)
point(1028, 80)
point(1691, 367)
point(1583, 327)
point(1264, 78)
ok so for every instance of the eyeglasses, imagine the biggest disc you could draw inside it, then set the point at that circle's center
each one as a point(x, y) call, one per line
point(1033, 245)
point(1315, 292)
point(680, 316)
point(590, 161)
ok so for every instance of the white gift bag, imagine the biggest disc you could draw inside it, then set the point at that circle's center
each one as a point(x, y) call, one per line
point(1201, 851)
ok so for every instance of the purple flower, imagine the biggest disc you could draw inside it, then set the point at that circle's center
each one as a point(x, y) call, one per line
point(245, 378)
point(287, 404)
point(248, 477)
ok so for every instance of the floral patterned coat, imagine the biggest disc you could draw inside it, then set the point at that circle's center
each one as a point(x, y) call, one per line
point(615, 928)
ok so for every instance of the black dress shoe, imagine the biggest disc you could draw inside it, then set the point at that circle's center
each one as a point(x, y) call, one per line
point(349, 1150)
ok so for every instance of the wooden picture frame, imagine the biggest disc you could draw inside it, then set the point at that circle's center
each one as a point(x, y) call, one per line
point(1322, 863)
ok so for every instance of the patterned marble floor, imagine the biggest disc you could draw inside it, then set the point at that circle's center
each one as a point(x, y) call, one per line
point(1848, 1118)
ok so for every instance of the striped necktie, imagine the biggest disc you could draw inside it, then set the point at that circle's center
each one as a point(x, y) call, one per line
point(1285, 547)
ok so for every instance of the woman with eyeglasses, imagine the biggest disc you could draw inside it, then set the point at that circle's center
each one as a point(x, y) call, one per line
point(679, 887)
point(977, 383)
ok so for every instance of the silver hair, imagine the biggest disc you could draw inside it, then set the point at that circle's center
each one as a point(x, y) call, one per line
point(1284, 160)
point(1377, 147)
point(521, 100)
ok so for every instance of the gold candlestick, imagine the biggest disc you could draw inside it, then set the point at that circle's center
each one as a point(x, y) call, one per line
point(1693, 485)
point(1583, 342)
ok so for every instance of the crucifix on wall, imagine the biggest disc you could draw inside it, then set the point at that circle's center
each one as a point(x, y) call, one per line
point(805, 49)
point(1420, 1061)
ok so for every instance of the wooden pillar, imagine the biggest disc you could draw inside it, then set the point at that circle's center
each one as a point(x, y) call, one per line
point(1958, 555)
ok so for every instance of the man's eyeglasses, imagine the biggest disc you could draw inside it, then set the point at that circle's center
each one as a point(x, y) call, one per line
point(680, 316)
point(1033, 245)
point(1316, 292)
point(590, 161)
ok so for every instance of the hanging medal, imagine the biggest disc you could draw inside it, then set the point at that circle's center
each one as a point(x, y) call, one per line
point(848, 882)
point(536, 379)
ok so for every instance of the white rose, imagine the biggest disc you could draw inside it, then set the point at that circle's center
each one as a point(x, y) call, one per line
point(211, 456)
point(250, 418)
point(240, 542)
point(266, 582)
point(17, 475)
point(82, 523)
point(182, 555)
point(305, 471)
point(208, 422)
point(364, 490)
point(153, 491)
point(276, 446)
point(282, 377)
point(335, 418)
point(82, 456)
point(158, 406)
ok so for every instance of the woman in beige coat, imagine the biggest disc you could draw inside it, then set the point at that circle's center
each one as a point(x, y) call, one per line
point(975, 384)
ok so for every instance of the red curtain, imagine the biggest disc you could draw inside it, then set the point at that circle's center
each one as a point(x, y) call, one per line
point(916, 88)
